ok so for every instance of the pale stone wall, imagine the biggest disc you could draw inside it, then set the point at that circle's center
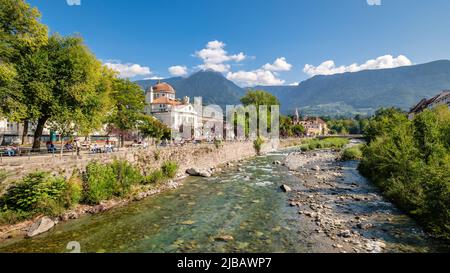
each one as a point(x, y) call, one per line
point(202, 156)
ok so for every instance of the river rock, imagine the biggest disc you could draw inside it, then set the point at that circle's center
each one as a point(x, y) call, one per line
point(195, 172)
point(224, 238)
point(42, 225)
point(364, 226)
point(205, 174)
point(277, 163)
point(316, 168)
point(140, 196)
point(345, 233)
point(192, 171)
point(285, 188)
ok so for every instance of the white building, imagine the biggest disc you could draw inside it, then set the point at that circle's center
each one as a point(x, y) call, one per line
point(178, 115)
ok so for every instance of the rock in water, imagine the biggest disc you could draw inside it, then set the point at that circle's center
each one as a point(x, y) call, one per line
point(195, 172)
point(285, 188)
point(224, 238)
point(192, 172)
point(316, 168)
point(40, 226)
point(204, 174)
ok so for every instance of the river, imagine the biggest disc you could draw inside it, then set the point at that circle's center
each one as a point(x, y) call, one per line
point(240, 210)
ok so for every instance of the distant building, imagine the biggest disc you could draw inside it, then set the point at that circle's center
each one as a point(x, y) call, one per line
point(441, 99)
point(11, 132)
point(175, 113)
point(314, 126)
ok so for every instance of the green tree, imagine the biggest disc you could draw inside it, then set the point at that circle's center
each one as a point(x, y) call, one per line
point(286, 126)
point(21, 33)
point(65, 84)
point(409, 161)
point(260, 98)
point(298, 130)
point(151, 127)
point(129, 103)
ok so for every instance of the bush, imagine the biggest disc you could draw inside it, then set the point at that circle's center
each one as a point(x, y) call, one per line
point(33, 192)
point(126, 175)
point(74, 191)
point(352, 153)
point(169, 169)
point(10, 217)
point(99, 183)
point(257, 145)
point(154, 178)
point(102, 182)
point(327, 143)
point(410, 162)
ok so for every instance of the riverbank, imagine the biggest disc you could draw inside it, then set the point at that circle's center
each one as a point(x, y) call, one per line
point(345, 211)
point(201, 157)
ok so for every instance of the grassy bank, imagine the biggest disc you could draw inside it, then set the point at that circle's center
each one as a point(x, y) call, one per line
point(410, 161)
point(41, 193)
point(327, 143)
point(352, 153)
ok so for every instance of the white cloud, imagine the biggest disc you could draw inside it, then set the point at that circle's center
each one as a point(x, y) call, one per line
point(374, 2)
point(129, 70)
point(294, 84)
point(383, 62)
point(73, 2)
point(215, 57)
point(280, 64)
point(178, 70)
point(154, 78)
point(266, 75)
point(255, 77)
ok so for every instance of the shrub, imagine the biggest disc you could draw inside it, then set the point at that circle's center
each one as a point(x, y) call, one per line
point(154, 178)
point(33, 192)
point(10, 217)
point(410, 162)
point(352, 153)
point(304, 147)
point(99, 183)
point(126, 175)
point(327, 143)
point(257, 145)
point(169, 169)
point(74, 191)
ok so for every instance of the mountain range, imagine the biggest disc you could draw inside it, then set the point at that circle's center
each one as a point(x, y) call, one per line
point(340, 94)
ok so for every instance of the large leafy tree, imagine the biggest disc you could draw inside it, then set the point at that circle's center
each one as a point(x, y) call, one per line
point(128, 107)
point(65, 84)
point(21, 33)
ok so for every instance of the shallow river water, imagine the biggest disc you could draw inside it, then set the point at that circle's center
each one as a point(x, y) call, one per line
point(246, 204)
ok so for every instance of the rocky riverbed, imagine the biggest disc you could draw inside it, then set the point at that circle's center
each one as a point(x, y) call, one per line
point(345, 211)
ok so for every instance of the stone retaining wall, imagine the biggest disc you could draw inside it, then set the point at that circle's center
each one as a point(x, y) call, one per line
point(202, 156)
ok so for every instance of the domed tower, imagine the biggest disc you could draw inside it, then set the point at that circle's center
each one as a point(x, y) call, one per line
point(162, 89)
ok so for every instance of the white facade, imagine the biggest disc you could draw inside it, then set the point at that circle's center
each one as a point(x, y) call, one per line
point(178, 115)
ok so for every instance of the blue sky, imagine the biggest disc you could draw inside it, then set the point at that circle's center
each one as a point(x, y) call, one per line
point(255, 41)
